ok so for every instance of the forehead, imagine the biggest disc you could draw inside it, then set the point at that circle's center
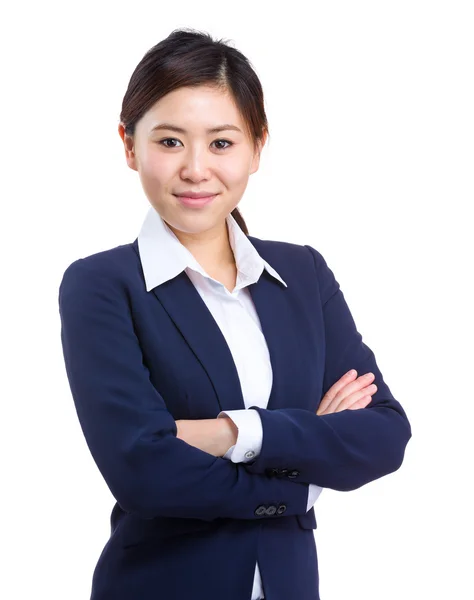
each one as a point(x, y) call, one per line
point(193, 109)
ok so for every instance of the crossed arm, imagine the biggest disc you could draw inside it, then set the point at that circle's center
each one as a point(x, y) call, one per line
point(217, 436)
point(220, 437)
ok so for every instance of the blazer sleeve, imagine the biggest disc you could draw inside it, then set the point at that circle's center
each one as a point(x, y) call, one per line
point(346, 449)
point(249, 439)
point(128, 429)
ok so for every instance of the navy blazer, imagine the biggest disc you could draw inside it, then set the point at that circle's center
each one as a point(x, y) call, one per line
point(187, 525)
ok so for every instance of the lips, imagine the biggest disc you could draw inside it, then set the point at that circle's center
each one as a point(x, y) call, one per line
point(190, 194)
point(195, 202)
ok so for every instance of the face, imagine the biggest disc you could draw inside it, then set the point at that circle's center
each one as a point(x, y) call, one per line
point(171, 162)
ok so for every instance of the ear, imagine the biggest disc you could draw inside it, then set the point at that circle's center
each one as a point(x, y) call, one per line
point(128, 143)
point(256, 158)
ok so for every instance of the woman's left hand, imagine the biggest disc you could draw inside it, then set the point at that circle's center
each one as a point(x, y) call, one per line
point(214, 436)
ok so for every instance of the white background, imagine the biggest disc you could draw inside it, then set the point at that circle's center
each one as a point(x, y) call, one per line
point(370, 160)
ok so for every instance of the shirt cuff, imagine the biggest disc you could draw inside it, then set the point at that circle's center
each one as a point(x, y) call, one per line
point(313, 494)
point(249, 437)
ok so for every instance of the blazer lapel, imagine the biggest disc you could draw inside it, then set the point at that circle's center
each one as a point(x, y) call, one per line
point(198, 327)
point(270, 298)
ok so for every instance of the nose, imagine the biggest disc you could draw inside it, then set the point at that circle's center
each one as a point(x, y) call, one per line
point(197, 164)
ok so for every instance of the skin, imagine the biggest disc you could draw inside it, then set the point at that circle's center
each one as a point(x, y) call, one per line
point(350, 392)
point(170, 162)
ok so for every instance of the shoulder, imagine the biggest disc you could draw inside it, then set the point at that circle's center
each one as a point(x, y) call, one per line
point(298, 261)
point(289, 251)
point(114, 265)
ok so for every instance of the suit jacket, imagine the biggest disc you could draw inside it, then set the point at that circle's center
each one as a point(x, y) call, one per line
point(137, 361)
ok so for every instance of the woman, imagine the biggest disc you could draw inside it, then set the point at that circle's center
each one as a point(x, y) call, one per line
point(212, 370)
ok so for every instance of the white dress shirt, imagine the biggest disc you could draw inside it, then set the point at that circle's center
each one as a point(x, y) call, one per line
point(163, 257)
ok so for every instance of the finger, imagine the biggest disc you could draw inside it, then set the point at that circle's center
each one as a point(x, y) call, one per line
point(334, 389)
point(355, 387)
point(349, 401)
point(331, 402)
point(362, 403)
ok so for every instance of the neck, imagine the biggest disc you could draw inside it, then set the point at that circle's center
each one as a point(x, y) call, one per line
point(211, 248)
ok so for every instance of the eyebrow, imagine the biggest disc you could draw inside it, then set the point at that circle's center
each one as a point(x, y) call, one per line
point(171, 127)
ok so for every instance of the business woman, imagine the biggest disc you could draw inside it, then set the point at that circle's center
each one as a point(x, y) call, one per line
point(211, 370)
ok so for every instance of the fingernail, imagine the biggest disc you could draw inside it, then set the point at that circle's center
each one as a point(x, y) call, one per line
point(351, 372)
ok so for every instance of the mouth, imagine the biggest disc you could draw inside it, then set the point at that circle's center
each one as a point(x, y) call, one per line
point(196, 202)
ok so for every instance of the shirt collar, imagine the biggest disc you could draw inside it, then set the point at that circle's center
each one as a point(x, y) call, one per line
point(157, 240)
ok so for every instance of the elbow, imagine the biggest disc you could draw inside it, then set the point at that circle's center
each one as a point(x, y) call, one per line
point(392, 453)
point(389, 459)
point(134, 502)
point(146, 483)
point(141, 477)
point(393, 444)
point(400, 443)
point(134, 496)
point(393, 460)
point(137, 488)
point(385, 455)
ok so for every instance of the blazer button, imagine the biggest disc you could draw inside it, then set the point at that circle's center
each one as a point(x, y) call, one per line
point(271, 472)
point(281, 509)
point(261, 510)
point(249, 454)
point(293, 474)
point(271, 510)
point(283, 472)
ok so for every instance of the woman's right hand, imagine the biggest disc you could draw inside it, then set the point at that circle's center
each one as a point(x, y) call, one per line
point(350, 392)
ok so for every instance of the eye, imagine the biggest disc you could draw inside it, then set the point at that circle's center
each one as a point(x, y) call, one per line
point(167, 140)
point(226, 142)
point(176, 140)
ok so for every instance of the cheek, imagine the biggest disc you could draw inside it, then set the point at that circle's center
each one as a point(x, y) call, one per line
point(234, 173)
point(157, 168)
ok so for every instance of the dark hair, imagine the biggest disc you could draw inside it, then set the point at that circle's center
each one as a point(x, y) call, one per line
point(189, 58)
